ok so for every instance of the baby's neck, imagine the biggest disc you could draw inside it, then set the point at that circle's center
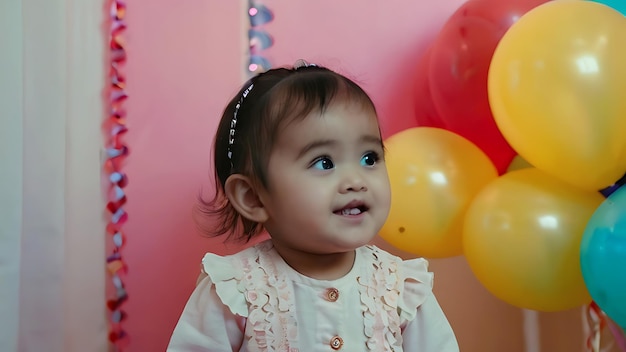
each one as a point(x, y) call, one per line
point(318, 266)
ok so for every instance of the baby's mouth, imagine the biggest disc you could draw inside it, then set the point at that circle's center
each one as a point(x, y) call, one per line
point(352, 210)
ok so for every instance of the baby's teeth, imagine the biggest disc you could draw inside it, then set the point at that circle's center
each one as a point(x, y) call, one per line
point(353, 211)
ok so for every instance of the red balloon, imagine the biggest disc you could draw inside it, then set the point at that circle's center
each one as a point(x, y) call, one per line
point(425, 112)
point(501, 13)
point(459, 65)
point(451, 81)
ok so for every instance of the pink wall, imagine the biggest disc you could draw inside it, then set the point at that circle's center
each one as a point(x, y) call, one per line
point(185, 61)
point(183, 65)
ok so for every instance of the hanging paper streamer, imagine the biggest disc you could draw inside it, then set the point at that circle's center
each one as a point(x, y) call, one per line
point(116, 151)
point(596, 323)
point(259, 39)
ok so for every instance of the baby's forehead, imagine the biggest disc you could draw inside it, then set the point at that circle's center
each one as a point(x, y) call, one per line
point(333, 115)
point(337, 120)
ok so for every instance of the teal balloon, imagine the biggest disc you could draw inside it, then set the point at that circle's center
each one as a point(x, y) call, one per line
point(603, 256)
point(618, 5)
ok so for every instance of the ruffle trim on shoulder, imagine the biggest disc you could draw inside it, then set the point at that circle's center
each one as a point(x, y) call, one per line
point(226, 278)
point(416, 288)
point(396, 288)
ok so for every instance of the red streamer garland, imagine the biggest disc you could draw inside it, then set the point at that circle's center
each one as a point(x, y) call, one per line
point(116, 152)
point(599, 322)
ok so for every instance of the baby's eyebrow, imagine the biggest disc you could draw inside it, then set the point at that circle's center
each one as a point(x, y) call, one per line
point(329, 143)
point(372, 139)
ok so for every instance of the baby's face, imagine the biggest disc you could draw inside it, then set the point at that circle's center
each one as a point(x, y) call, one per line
point(328, 189)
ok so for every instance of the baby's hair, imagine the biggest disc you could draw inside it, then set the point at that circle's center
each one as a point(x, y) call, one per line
point(250, 125)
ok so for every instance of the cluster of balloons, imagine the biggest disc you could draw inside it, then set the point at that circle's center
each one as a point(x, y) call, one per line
point(517, 157)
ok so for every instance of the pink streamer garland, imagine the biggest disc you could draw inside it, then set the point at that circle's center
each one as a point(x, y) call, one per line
point(618, 335)
point(116, 151)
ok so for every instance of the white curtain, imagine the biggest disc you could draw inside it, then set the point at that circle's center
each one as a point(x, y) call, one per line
point(52, 79)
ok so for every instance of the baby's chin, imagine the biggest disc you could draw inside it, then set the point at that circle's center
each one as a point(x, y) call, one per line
point(363, 241)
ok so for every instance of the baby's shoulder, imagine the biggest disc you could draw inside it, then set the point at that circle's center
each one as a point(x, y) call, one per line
point(409, 279)
point(229, 275)
point(231, 264)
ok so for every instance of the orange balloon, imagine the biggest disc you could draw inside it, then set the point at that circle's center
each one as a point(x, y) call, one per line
point(522, 236)
point(434, 175)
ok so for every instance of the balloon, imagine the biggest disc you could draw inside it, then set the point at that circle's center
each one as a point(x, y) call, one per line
point(522, 236)
point(503, 14)
point(518, 163)
point(557, 86)
point(458, 70)
point(434, 175)
point(614, 187)
point(459, 66)
point(617, 5)
point(425, 111)
point(603, 256)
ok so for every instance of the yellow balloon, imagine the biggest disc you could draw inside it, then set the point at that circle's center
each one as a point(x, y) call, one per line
point(557, 90)
point(434, 175)
point(522, 237)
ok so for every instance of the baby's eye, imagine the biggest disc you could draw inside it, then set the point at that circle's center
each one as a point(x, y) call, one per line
point(323, 163)
point(370, 159)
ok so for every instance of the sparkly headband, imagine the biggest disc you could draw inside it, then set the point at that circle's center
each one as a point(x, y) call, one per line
point(233, 122)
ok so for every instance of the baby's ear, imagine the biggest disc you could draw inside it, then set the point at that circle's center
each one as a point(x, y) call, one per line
point(244, 198)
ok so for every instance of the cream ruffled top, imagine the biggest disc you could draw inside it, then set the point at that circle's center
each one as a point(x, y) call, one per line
point(254, 301)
